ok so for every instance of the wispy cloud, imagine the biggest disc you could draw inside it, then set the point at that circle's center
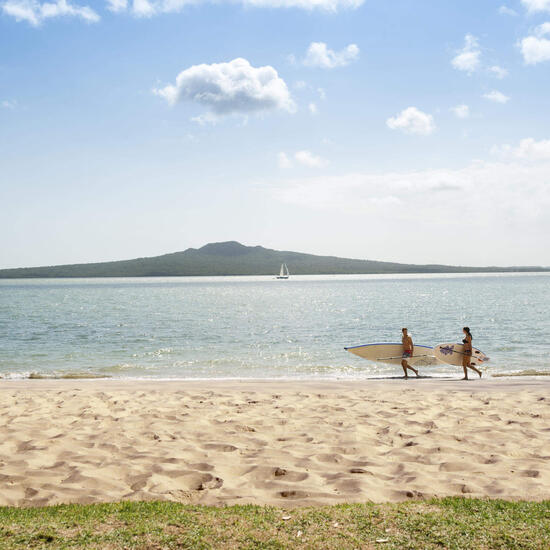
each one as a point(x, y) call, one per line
point(500, 195)
point(496, 97)
point(149, 8)
point(319, 55)
point(307, 158)
point(36, 13)
point(468, 58)
point(534, 6)
point(8, 104)
point(505, 10)
point(461, 111)
point(304, 158)
point(498, 72)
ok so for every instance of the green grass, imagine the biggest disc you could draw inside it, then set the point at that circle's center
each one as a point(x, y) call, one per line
point(439, 523)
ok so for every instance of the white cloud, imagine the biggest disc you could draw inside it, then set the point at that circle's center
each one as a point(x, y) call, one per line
point(307, 158)
point(205, 119)
point(235, 87)
point(318, 55)
point(412, 121)
point(468, 59)
point(326, 5)
point(148, 8)
point(283, 160)
point(300, 84)
point(536, 48)
point(536, 5)
point(498, 72)
point(322, 93)
point(528, 149)
point(505, 10)
point(461, 111)
point(313, 108)
point(497, 97)
point(36, 13)
point(117, 5)
point(502, 196)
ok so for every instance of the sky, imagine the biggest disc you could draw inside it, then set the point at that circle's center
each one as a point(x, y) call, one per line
point(415, 131)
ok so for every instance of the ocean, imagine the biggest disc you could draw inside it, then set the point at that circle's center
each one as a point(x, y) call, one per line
point(260, 327)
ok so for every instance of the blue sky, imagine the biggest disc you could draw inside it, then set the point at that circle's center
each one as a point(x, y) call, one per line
point(414, 131)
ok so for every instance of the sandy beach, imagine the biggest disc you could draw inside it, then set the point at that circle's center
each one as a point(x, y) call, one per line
point(267, 442)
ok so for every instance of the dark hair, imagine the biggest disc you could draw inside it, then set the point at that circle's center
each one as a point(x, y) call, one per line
point(403, 329)
point(467, 329)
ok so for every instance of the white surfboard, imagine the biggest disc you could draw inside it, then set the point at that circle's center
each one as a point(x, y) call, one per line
point(452, 354)
point(392, 353)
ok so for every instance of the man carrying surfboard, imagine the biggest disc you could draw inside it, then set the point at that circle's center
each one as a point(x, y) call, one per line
point(408, 350)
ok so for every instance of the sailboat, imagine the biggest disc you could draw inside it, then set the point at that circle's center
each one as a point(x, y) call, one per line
point(284, 274)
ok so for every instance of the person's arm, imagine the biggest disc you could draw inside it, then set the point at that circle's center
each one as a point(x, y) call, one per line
point(412, 347)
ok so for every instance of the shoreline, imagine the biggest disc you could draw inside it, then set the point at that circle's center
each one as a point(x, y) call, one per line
point(178, 384)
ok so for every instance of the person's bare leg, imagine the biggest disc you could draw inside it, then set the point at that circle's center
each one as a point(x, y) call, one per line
point(473, 368)
point(465, 372)
point(404, 365)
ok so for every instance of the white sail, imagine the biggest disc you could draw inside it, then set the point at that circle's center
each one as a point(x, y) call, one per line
point(283, 274)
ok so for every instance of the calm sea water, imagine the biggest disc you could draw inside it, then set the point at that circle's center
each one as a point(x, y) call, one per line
point(259, 327)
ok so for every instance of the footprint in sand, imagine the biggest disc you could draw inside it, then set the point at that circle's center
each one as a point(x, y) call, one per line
point(219, 447)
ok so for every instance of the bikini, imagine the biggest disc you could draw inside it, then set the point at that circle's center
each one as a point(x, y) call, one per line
point(467, 347)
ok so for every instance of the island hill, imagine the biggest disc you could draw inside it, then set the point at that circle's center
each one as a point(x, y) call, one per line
point(233, 258)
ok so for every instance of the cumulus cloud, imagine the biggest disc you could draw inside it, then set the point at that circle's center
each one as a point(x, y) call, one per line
point(461, 111)
point(319, 55)
point(148, 8)
point(536, 48)
point(36, 13)
point(235, 87)
point(412, 121)
point(468, 59)
point(313, 108)
point(498, 72)
point(528, 149)
point(536, 5)
point(497, 97)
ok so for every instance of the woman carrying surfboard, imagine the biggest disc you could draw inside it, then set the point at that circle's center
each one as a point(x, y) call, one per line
point(467, 353)
point(408, 350)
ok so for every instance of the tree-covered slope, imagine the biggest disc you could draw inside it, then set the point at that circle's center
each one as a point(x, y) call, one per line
point(232, 258)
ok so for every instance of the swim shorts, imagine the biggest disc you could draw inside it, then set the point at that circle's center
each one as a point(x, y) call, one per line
point(407, 354)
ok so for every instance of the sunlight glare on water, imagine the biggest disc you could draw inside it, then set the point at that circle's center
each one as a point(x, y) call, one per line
point(259, 327)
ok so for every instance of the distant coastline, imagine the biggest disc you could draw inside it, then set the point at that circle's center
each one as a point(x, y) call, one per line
point(232, 258)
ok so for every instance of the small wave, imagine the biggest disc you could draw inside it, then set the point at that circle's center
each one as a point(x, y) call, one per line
point(528, 372)
point(51, 376)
